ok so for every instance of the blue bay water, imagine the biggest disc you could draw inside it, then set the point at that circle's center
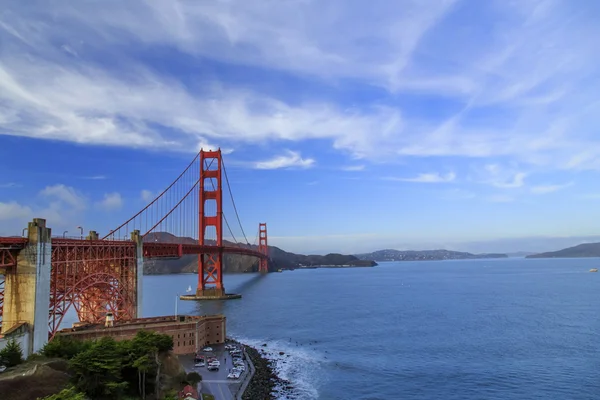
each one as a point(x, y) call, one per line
point(480, 329)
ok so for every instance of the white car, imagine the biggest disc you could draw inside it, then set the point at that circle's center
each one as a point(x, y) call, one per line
point(215, 363)
point(207, 349)
point(233, 375)
point(199, 364)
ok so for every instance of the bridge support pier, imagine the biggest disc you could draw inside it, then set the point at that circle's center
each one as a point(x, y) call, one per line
point(139, 255)
point(27, 288)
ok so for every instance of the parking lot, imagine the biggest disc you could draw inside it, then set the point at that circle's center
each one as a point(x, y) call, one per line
point(216, 382)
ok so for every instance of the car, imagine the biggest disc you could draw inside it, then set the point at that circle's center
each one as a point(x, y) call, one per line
point(213, 367)
point(199, 364)
point(207, 349)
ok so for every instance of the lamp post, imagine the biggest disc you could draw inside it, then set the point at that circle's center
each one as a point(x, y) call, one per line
point(65, 234)
point(81, 231)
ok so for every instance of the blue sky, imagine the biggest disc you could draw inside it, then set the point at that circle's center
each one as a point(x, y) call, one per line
point(349, 126)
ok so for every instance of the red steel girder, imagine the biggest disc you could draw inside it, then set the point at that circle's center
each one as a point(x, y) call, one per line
point(263, 248)
point(174, 250)
point(212, 273)
point(8, 263)
point(93, 276)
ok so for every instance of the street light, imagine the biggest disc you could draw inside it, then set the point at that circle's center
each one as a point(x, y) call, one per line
point(80, 230)
point(65, 234)
point(23, 232)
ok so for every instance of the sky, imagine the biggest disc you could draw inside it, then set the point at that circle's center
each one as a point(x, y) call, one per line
point(348, 126)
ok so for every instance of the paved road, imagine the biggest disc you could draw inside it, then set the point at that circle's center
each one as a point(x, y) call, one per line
point(216, 382)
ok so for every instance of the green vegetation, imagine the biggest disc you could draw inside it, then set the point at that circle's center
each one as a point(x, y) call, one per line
point(69, 393)
point(208, 397)
point(193, 378)
point(107, 369)
point(12, 354)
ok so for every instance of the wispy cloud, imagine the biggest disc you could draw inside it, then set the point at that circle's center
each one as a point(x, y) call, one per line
point(147, 196)
point(434, 177)
point(14, 211)
point(353, 168)
point(522, 103)
point(95, 177)
point(544, 189)
point(290, 159)
point(502, 177)
point(111, 201)
point(66, 194)
point(62, 206)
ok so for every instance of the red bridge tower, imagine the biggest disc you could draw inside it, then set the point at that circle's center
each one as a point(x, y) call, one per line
point(263, 247)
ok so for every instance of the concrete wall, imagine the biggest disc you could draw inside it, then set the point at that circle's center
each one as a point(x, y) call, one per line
point(23, 337)
point(137, 239)
point(188, 336)
point(27, 290)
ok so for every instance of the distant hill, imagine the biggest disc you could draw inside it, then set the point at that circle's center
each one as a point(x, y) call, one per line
point(520, 253)
point(422, 255)
point(234, 263)
point(582, 250)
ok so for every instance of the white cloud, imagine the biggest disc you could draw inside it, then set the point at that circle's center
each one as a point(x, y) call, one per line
point(353, 168)
point(434, 177)
point(528, 86)
point(147, 196)
point(65, 194)
point(14, 210)
point(502, 177)
point(96, 177)
point(289, 160)
point(111, 201)
point(62, 206)
point(544, 189)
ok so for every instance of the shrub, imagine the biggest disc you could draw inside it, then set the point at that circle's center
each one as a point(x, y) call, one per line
point(12, 354)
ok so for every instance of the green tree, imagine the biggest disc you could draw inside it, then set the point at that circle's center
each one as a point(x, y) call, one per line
point(12, 354)
point(65, 347)
point(193, 378)
point(143, 365)
point(97, 370)
point(69, 393)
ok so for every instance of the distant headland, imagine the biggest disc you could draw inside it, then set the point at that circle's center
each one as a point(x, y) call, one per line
point(425, 255)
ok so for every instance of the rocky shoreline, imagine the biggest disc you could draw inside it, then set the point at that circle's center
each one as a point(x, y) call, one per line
point(265, 384)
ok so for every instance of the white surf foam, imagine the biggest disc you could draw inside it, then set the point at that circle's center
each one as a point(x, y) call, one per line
point(300, 365)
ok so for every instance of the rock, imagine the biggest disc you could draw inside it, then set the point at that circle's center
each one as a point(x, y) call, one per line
point(281, 353)
point(264, 345)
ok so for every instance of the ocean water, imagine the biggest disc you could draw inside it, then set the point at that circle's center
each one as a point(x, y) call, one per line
point(478, 329)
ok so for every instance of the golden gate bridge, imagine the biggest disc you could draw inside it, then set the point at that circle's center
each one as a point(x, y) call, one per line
point(97, 275)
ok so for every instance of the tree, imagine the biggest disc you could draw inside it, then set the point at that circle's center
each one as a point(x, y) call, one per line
point(193, 378)
point(97, 370)
point(65, 347)
point(143, 365)
point(12, 354)
point(69, 393)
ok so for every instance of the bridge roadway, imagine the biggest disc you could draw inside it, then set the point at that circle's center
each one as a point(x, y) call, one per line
point(151, 249)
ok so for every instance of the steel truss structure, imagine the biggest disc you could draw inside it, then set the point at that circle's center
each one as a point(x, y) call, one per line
point(95, 277)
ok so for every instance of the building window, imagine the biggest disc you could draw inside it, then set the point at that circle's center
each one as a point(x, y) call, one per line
point(178, 336)
point(177, 344)
point(184, 335)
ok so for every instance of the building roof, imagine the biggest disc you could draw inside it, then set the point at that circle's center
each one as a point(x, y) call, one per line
point(188, 391)
point(142, 323)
